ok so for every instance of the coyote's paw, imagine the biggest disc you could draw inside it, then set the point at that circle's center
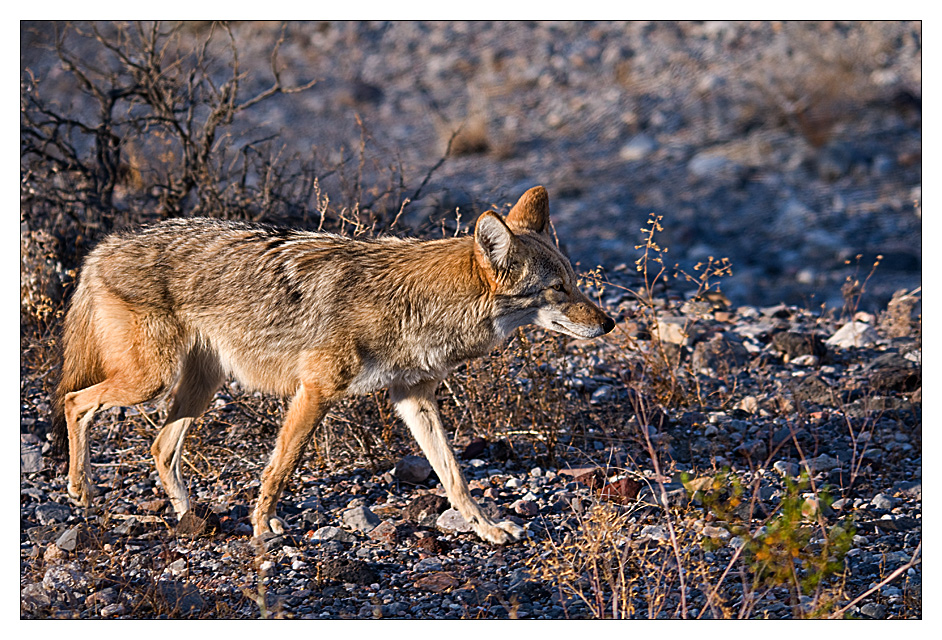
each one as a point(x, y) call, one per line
point(272, 524)
point(82, 494)
point(502, 533)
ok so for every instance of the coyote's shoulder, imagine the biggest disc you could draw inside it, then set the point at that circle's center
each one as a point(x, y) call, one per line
point(175, 307)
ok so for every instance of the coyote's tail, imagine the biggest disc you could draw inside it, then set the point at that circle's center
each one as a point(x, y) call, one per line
point(81, 361)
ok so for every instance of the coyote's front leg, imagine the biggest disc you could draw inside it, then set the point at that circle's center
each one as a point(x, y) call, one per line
point(418, 408)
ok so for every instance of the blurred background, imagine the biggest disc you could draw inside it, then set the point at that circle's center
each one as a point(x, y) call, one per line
point(793, 149)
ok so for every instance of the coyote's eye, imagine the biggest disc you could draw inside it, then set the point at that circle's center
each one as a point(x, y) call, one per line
point(558, 287)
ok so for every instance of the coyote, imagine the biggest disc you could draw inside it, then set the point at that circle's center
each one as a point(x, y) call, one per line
point(174, 308)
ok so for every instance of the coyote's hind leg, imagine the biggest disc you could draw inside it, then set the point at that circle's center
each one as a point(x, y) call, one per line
point(200, 378)
point(80, 409)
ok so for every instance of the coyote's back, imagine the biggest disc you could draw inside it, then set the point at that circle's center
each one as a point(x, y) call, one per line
point(174, 308)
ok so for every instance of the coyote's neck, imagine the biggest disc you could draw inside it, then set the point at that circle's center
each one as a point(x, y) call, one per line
point(459, 296)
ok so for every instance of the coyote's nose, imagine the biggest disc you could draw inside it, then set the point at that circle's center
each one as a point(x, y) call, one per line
point(608, 325)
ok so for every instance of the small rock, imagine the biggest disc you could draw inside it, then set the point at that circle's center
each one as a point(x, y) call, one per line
point(438, 582)
point(128, 528)
point(526, 508)
point(474, 449)
point(899, 379)
point(432, 545)
point(66, 578)
point(333, 533)
point(53, 553)
point(910, 489)
point(451, 520)
point(753, 449)
point(594, 477)
point(427, 564)
point(602, 395)
point(814, 390)
point(806, 360)
point(712, 164)
point(674, 330)
point(385, 532)
point(811, 507)
point(749, 404)
point(655, 532)
point(31, 459)
point(637, 148)
point(853, 334)
point(426, 507)
point(873, 611)
point(52, 512)
point(113, 610)
point(884, 502)
point(412, 469)
point(152, 506)
point(786, 469)
point(34, 596)
point(101, 598)
point(360, 519)
point(674, 495)
point(823, 463)
point(71, 538)
point(43, 535)
point(717, 533)
point(621, 491)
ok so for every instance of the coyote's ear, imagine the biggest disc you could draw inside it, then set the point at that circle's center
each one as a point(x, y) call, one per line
point(531, 213)
point(494, 240)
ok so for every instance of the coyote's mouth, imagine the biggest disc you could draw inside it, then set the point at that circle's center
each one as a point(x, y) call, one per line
point(570, 330)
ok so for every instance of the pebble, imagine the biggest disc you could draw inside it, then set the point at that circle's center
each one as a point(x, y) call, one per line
point(526, 508)
point(333, 533)
point(719, 533)
point(884, 502)
point(786, 469)
point(360, 519)
point(853, 334)
point(31, 460)
point(52, 512)
point(638, 148)
point(655, 532)
point(452, 520)
point(412, 469)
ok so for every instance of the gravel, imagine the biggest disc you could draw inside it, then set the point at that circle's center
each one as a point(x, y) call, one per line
point(386, 548)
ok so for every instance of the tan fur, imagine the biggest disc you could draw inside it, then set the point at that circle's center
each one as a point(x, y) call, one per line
point(175, 308)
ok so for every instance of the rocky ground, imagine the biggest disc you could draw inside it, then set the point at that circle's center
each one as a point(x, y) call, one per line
point(704, 440)
point(782, 392)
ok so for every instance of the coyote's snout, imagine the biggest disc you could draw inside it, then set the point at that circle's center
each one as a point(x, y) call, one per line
point(178, 306)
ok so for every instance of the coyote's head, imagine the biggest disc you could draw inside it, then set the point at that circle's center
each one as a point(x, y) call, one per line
point(533, 281)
